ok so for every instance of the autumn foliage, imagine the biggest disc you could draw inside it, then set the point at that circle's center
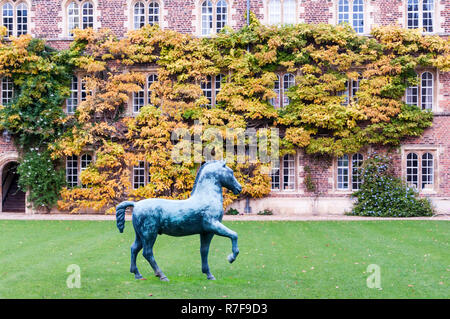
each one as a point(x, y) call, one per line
point(323, 57)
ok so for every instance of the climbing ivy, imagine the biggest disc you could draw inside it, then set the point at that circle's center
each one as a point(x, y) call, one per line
point(323, 57)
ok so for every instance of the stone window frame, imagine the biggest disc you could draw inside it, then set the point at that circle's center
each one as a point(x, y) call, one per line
point(15, 5)
point(282, 15)
point(214, 3)
point(146, 12)
point(435, 84)
point(351, 173)
point(420, 26)
point(65, 18)
point(351, 88)
point(281, 174)
point(420, 150)
point(79, 168)
point(366, 28)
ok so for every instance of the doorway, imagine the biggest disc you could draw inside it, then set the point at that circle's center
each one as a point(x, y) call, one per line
point(13, 199)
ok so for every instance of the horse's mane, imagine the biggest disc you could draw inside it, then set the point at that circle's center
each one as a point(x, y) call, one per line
point(198, 176)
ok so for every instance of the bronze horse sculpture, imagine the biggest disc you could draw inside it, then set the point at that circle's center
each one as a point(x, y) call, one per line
point(200, 214)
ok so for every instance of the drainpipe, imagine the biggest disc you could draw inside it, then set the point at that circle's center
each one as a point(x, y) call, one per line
point(248, 12)
point(247, 208)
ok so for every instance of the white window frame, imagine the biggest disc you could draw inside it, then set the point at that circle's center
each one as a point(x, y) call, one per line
point(79, 164)
point(415, 176)
point(76, 19)
point(423, 94)
point(211, 88)
point(350, 91)
point(209, 21)
point(281, 86)
point(283, 174)
point(15, 18)
point(284, 15)
point(78, 93)
point(350, 15)
point(421, 15)
point(143, 97)
point(141, 171)
point(348, 174)
point(147, 15)
point(7, 90)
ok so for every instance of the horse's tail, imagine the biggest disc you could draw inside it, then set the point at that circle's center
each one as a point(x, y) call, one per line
point(120, 214)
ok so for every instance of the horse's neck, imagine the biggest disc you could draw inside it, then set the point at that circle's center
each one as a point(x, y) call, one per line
point(209, 190)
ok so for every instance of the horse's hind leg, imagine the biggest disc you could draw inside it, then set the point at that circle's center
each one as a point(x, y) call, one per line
point(135, 249)
point(148, 254)
point(205, 240)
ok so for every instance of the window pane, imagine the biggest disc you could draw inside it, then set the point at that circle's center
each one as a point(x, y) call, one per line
point(207, 90)
point(276, 101)
point(357, 160)
point(72, 171)
point(344, 93)
point(428, 14)
point(139, 175)
point(138, 100)
point(342, 172)
point(217, 84)
point(355, 89)
point(72, 101)
point(343, 11)
point(288, 82)
point(413, 14)
point(88, 15)
point(412, 169)
point(73, 17)
point(275, 176)
point(274, 12)
point(289, 11)
point(207, 17)
point(153, 13)
point(8, 14)
point(427, 91)
point(139, 15)
point(7, 90)
point(86, 159)
point(288, 172)
point(221, 15)
point(150, 79)
point(358, 16)
point(22, 19)
point(427, 169)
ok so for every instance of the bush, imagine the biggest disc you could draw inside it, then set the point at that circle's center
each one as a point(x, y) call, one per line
point(265, 212)
point(384, 195)
point(232, 211)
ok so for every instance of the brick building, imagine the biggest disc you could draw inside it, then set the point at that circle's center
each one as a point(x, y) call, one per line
point(423, 161)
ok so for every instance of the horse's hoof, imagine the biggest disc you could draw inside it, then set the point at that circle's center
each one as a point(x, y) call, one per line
point(211, 277)
point(139, 277)
point(164, 279)
point(231, 258)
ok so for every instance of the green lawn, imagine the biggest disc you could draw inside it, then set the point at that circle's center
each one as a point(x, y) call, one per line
point(277, 260)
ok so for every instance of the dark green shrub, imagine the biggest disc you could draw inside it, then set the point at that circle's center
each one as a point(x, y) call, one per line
point(232, 211)
point(384, 195)
point(265, 212)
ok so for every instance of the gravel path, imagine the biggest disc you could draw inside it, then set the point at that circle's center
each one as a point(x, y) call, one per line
point(18, 216)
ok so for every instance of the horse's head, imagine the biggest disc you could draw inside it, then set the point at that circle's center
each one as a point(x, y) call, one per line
point(227, 179)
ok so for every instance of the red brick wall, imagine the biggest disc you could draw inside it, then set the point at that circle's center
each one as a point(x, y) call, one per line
point(6, 146)
point(317, 11)
point(387, 12)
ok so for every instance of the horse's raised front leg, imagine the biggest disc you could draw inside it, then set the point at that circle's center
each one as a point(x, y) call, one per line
point(148, 254)
point(205, 240)
point(220, 229)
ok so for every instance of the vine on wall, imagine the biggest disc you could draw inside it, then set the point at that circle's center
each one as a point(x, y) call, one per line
point(323, 58)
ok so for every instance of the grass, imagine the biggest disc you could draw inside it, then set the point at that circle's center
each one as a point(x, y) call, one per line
point(277, 260)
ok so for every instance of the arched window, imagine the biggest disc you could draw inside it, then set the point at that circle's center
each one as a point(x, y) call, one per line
point(214, 16)
point(72, 171)
point(343, 172)
point(153, 13)
point(143, 97)
point(420, 15)
point(351, 12)
point(146, 12)
point(80, 14)
point(427, 170)
point(412, 169)
point(85, 161)
point(139, 15)
point(211, 88)
point(150, 79)
point(8, 18)
point(276, 100)
point(281, 88)
point(274, 11)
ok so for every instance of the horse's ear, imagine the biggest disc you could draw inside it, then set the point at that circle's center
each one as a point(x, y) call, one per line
point(224, 163)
